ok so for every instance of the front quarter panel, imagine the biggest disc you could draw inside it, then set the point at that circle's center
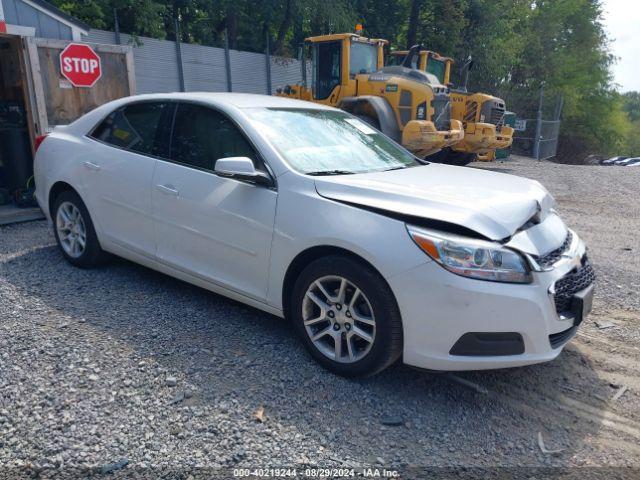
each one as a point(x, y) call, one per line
point(305, 220)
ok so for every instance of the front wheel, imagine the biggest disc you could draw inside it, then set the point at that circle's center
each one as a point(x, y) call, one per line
point(347, 316)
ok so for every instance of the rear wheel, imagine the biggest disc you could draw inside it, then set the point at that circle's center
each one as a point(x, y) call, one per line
point(347, 316)
point(74, 231)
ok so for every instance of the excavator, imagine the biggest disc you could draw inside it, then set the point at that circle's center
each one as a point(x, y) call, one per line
point(409, 105)
point(482, 115)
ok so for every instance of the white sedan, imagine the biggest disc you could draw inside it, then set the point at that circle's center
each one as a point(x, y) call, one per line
point(306, 212)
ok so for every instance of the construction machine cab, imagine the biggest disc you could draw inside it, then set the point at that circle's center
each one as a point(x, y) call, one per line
point(425, 61)
point(337, 59)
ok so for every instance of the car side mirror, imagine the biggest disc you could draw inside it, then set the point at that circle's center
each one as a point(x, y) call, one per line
point(241, 168)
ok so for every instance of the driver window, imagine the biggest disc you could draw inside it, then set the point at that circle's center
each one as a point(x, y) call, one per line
point(327, 59)
point(202, 135)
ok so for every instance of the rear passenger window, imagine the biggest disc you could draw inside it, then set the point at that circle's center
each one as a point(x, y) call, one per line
point(202, 135)
point(134, 127)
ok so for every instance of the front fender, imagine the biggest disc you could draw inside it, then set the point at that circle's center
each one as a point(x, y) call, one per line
point(305, 220)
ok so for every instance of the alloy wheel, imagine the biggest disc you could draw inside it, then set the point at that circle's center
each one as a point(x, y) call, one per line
point(71, 229)
point(338, 319)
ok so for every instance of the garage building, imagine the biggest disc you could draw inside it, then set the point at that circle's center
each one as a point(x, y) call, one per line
point(35, 96)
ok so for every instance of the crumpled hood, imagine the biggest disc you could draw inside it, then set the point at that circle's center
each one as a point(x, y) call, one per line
point(493, 204)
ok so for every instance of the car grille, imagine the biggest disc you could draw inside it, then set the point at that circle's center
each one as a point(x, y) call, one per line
point(442, 111)
point(558, 339)
point(553, 256)
point(572, 283)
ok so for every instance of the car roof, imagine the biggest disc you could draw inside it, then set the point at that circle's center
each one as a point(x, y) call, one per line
point(238, 100)
point(224, 101)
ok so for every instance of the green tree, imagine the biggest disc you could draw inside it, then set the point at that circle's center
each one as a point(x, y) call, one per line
point(631, 105)
point(137, 17)
point(569, 53)
point(388, 22)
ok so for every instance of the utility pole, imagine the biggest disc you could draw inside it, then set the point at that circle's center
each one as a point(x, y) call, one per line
point(267, 56)
point(116, 22)
point(227, 60)
point(179, 56)
point(303, 65)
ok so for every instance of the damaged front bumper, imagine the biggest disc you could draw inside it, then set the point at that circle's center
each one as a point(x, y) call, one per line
point(474, 325)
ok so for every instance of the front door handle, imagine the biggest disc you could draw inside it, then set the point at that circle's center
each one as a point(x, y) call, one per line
point(168, 189)
point(92, 166)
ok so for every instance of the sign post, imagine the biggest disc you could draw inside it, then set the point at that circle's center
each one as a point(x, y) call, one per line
point(81, 65)
point(520, 125)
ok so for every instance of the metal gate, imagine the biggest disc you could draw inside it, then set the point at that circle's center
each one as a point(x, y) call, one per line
point(538, 137)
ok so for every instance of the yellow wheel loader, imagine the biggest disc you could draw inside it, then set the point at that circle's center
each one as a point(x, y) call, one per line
point(482, 115)
point(410, 106)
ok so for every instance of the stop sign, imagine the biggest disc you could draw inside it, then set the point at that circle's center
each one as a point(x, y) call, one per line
point(80, 65)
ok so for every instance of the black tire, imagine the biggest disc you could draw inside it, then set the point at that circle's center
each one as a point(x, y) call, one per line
point(439, 157)
point(451, 157)
point(387, 344)
point(93, 255)
point(460, 159)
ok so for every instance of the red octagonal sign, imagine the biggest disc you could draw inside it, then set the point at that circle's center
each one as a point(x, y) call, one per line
point(80, 64)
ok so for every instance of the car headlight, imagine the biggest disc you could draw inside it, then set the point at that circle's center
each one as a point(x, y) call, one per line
point(472, 258)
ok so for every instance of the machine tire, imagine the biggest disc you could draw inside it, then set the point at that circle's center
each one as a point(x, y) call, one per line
point(451, 157)
point(460, 158)
point(438, 157)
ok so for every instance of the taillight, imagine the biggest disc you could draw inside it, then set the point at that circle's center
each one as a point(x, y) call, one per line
point(39, 140)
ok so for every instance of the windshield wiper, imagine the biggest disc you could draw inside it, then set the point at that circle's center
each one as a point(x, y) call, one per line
point(396, 168)
point(330, 172)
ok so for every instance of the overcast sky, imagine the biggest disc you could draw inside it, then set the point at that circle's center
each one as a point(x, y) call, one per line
point(622, 21)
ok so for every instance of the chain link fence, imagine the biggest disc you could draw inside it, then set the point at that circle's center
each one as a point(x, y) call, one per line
point(537, 132)
point(538, 113)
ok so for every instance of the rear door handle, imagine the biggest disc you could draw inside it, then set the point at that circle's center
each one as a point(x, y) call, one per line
point(92, 166)
point(168, 190)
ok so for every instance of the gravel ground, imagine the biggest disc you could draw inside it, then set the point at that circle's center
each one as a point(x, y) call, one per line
point(124, 369)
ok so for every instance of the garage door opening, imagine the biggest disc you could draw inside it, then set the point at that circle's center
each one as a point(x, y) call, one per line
point(16, 133)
